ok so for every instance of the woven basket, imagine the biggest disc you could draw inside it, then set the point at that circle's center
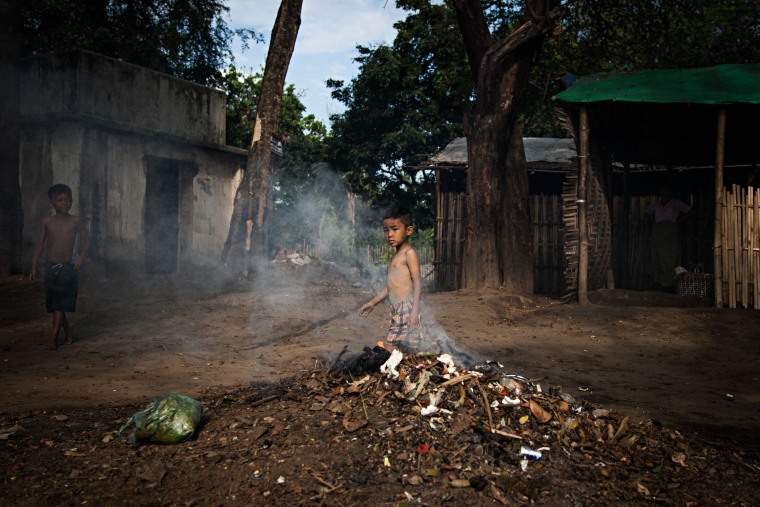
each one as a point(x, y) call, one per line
point(696, 283)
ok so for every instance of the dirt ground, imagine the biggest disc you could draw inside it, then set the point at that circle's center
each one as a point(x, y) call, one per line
point(667, 363)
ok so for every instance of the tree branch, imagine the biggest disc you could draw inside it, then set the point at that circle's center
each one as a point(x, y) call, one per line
point(474, 28)
point(525, 33)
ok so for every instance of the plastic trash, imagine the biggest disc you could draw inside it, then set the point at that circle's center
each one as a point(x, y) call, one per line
point(168, 419)
point(391, 363)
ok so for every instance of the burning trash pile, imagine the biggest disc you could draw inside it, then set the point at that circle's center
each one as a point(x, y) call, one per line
point(438, 423)
point(508, 410)
point(378, 428)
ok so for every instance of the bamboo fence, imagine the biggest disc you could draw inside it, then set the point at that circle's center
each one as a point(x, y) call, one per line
point(740, 252)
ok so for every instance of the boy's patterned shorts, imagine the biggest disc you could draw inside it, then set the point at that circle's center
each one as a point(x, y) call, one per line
point(400, 334)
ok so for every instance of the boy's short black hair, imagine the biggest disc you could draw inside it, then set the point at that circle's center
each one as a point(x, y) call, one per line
point(59, 188)
point(399, 213)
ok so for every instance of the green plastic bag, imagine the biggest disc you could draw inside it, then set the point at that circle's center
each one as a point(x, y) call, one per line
point(168, 419)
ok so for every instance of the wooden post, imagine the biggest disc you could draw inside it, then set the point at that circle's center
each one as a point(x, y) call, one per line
point(582, 210)
point(625, 275)
point(720, 146)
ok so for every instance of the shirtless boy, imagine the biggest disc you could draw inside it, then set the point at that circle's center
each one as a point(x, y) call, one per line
point(58, 233)
point(404, 284)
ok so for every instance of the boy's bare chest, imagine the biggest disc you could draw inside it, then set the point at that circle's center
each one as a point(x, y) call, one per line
point(60, 228)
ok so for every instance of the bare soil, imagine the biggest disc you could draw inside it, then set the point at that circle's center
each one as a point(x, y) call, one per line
point(686, 377)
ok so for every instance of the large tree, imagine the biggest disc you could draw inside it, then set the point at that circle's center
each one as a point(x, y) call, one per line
point(247, 242)
point(498, 246)
point(298, 173)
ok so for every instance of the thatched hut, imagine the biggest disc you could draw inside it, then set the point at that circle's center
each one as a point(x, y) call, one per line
point(682, 118)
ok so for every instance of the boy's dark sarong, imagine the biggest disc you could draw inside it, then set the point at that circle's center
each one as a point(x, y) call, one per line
point(61, 286)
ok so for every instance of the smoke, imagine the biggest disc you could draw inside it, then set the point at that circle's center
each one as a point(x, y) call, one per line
point(322, 240)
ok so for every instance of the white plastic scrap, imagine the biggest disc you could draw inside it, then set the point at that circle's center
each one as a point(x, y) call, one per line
point(512, 402)
point(281, 480)
point(448, 361)
point(410, 498)
point(432, 408)
point(391, 363)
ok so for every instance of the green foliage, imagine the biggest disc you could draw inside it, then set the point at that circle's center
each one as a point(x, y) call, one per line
point(406, 103)
point(189, 39)
point(620, 35)
point(410, 97)
point(307, 199)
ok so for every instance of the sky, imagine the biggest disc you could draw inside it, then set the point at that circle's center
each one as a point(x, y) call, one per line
point(326, 45)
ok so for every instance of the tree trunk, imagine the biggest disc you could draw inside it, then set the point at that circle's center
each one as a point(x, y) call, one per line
point(11, 213)
point(248, 238)
point(498, 245)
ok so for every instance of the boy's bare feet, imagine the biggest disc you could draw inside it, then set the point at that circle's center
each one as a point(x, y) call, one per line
point(52, 344)
point(69, 339)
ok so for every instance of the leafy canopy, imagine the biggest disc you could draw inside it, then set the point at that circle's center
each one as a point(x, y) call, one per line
point(410, 97)
point(300, 173)
point(189, 39)
point(406, 102)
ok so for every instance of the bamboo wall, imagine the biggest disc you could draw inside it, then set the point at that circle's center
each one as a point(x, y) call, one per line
point(449, 239)
point(740, 252)
point(548, 252)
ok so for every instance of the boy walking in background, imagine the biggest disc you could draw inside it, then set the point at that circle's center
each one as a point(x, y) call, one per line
point(58, 234)
point(403, 287)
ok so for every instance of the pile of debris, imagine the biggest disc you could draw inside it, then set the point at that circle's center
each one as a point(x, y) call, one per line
point(509, 409)
point(295, 259)
point(380, 428)
point(500, 434)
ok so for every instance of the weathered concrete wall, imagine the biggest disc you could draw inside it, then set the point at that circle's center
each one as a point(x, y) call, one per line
point(99, 88)
point(110, 194)
point(92, 127)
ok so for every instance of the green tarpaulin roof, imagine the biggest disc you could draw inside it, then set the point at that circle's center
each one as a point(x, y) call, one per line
point(723, 84)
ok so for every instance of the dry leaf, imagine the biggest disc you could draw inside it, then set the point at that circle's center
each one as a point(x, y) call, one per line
point(351, 426)
point(538, 411)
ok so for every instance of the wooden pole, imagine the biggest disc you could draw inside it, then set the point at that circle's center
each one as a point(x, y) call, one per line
point(720, 146)
point(582, 210)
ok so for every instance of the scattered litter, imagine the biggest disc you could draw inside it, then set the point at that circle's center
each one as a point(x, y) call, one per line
point(528, 453)
point(9, 431)
point(293, 258)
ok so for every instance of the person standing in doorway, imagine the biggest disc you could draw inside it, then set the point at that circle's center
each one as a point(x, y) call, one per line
point(666, 213)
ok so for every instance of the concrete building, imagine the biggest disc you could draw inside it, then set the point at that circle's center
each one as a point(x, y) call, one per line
point(143, 152)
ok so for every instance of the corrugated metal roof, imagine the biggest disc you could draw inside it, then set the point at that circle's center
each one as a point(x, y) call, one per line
point(537, 149)
point(722, 84)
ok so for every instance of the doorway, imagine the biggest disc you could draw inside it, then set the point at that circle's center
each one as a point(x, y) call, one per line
point(162, 216)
